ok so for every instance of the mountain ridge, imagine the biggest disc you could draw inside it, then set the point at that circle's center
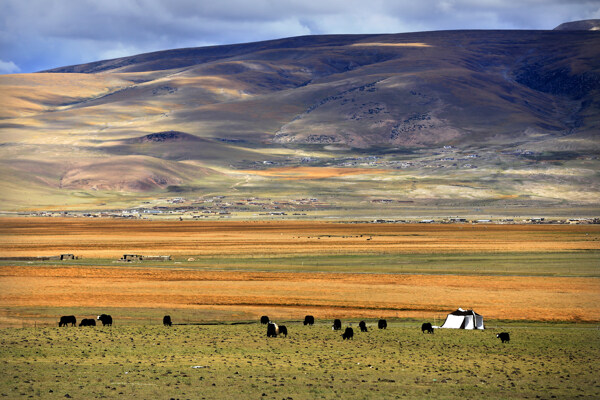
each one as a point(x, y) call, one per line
point(519, 97)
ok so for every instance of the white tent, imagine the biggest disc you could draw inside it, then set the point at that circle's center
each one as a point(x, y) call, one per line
point(463, 319)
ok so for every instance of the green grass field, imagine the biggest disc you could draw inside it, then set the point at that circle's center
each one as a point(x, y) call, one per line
point(239, 361)
point(527, 264)
point(573, 264)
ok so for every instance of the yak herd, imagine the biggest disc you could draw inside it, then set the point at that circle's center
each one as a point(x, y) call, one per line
point(66, 320)
point(106, 320)
point(273, 330)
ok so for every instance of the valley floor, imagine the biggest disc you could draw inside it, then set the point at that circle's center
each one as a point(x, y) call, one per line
point(540, 283)
point(238, 271)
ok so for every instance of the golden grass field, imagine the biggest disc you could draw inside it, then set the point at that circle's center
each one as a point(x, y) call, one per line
point(95, 238)
point(98, 281)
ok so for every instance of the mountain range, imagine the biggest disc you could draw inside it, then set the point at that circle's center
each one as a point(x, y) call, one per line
point(451, 119)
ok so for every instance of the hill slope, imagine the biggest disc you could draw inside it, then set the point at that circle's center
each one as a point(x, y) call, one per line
point(515, 100)
point(585, 25)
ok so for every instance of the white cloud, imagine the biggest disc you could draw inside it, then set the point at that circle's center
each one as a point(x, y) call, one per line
point(8, 67)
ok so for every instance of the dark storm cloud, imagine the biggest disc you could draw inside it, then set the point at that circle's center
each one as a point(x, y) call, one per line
point(42, 34)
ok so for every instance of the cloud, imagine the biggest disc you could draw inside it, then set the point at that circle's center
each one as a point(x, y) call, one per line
point(8, 67)
point(43, 34)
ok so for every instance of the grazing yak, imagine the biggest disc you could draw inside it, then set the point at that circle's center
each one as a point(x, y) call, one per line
point(272, 329)
point(337, 325)
point(309, 320)
point(264, 320)
point(362, 326)
point(426, 327)
point(88, 322)
point(105, 319)
point(283, 330)
point(382, 324)
point(348, 333)
point(504, 336)
point(167, 320)
point(67, 319)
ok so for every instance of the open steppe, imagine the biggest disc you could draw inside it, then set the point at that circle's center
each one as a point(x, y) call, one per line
point(224, 271)
point(538, 282)
point(237, 361)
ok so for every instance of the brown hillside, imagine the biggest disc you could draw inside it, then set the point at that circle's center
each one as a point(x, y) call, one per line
point(514, 99)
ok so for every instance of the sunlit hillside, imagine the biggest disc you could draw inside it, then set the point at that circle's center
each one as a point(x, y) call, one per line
point(453, 119)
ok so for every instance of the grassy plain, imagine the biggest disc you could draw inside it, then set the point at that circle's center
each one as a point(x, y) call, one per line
point(540, 283)
point(237, 271)
point(238, 361)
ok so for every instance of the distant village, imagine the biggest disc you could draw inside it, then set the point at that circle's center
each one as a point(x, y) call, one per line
point(210, 208)
point(223, 207)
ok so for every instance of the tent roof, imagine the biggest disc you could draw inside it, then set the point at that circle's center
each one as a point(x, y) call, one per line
point(460, 311)
point(464, 319)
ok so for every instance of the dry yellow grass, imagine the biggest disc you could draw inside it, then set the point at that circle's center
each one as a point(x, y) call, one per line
point(380, 44)
point(287, 294)
point(28, 94)
point(291, 295)
point(111, 238)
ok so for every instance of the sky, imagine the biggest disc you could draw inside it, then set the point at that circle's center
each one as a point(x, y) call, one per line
point(41, 34)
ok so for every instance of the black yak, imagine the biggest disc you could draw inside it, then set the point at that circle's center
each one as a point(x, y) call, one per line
point(264, 320)
point(67, 319)
point(426, 327)
point(362, 326)
point(167, 320)
point(337, 325)
point(106, 319)
point(283, 330)
point(309, 320)
point(348, 333)
point(88, 322)
point(504, 336)
point(382, 324)
point(272, 329)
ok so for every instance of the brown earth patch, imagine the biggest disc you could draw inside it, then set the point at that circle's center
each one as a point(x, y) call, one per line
point(313, 172)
